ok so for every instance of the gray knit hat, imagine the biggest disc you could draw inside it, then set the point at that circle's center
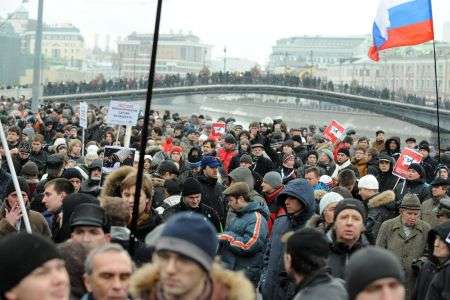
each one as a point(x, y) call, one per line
point(410, 201)
point(273, 179)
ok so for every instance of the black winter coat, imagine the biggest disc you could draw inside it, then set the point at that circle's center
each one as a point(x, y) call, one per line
point(212, 196)
point(340, 255)
point(263, 165)
point(203, 209)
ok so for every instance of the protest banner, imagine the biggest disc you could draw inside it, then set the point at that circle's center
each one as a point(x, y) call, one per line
point(334, 131)
point(407, 157)
point(122, 113)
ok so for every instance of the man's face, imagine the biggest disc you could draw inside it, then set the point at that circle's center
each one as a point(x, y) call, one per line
point(36, 146)
point(359, 154)
point(257, 151)
point(128, 195)
point(179, 275)
point(110, 278)
point(266, 188)
point(12, 137)
point(409, 216)
point(50, 281)
point(363, 144)
point(393, 145)
point(348, 225)
point(441, 249)
point(365, 193)
point(52, 200)
point(73, 132)
point(210, 172)
point(341, 158)
point(412, 174)
point(228, 146)
point(193, 137)
point(96, 174)
point(293, 205)
point(312, 160)
point(235, 203)
point(380, 137)
point(384, 166)
point(324, 158)
point(207, 149)
point(424, 153)
point(193, 201)
point(410, 144)
point(439, 191)
point(90, 236)
point(76, 182)
point(245, 164)
point(312, 178)
point(385, 288)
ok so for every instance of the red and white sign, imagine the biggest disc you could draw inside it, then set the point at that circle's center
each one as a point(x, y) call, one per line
point(217, 129)
point(407, 157)
point(334, 131)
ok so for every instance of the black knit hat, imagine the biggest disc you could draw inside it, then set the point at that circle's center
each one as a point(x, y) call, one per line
point(230, 139)
point(350, 203)
point(21, 254)
point(191, 235)
point(22, 184)
point(418, 168)
point(368, 265)
point(191, 186)
point(29, 169)
point(167, 166)
point(308, 242)
point(245, 158)
point(72, 173)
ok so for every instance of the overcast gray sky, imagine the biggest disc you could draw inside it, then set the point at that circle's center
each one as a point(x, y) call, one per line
point(248, 28)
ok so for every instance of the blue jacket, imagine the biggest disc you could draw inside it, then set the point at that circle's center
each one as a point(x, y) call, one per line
point(274, 283)
point(243, 242)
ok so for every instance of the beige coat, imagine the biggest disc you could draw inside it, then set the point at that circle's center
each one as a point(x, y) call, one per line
point(227, 285)
point(392, 237)
point(37, 222)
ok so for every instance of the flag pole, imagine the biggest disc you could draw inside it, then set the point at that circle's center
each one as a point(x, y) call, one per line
point(437, 102)
point(148, 101)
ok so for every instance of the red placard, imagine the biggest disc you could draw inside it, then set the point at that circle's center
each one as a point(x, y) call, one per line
point(217, 129)
point(407, 157)
point(334, 131)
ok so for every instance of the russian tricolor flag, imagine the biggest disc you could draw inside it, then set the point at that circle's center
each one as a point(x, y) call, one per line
point(401, 23)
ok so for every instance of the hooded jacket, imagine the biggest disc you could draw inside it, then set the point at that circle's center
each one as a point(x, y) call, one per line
point(431, 267)
point(387, 180)
point(392, 153)
point(274, 282)
point(226, 285)
point(381, 207)
point(243, 242)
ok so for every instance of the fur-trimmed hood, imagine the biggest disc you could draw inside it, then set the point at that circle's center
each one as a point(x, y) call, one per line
point(111, 187)
point(156, 181)
point(381, 199)
point(232, 285)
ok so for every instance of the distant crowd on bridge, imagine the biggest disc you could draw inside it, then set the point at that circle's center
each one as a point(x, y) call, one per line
point(250, 77)
point(226, 211)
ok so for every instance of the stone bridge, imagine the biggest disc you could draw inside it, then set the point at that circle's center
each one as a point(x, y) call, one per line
point(415, 114)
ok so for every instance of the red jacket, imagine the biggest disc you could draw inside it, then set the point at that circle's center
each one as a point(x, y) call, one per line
point(275, 210)
point(226, 157)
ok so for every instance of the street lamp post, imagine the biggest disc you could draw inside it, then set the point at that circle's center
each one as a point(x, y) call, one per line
point(225, 59)
point(36, 91)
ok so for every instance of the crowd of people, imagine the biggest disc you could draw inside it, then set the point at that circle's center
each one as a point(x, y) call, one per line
point(267, 212)
point(254, 76)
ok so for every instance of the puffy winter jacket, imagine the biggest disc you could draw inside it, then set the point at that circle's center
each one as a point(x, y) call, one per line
point(244, 241)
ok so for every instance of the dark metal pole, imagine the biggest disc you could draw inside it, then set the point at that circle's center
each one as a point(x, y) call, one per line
point(36, 91)
point(437, 103)
point(148, 102)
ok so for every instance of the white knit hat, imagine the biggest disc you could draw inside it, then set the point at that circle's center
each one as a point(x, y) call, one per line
point(368, 182)
point(329, 198)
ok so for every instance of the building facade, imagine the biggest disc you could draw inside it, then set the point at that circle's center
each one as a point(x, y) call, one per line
point(407, 70)
point(11, 59)
point(62, 44)
point(177, 54)
point(296, 53)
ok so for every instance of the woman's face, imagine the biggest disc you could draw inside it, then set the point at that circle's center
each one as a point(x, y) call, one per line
point(76, 149)
point(441, 250)
point(328, 213)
